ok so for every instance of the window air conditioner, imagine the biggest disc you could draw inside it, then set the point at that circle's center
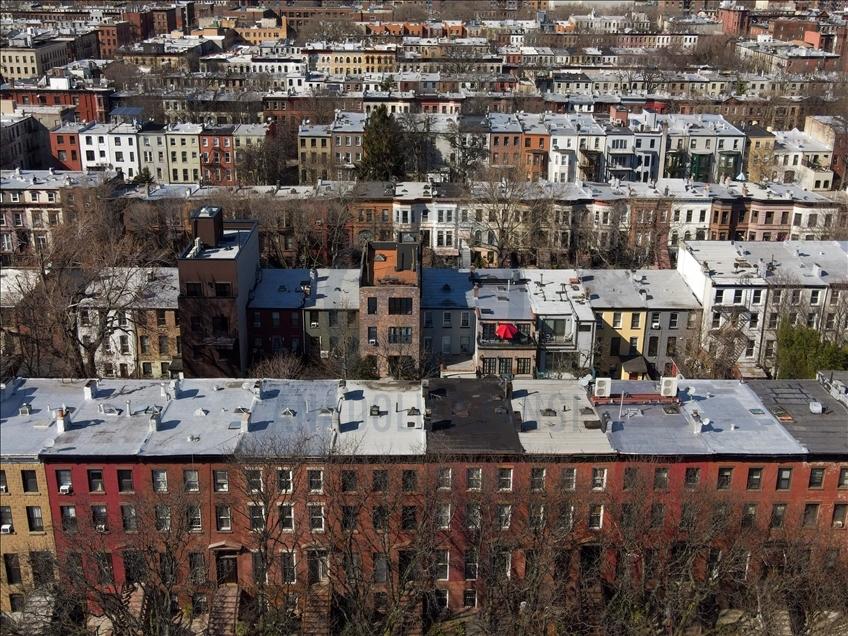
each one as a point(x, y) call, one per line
point(656, 325)
point(836, 524)
point(6, 529)
point(314, 325)
point(65, 489)
point(372, 342)
point(2, 489)
point(100, 527)
point(325, 354)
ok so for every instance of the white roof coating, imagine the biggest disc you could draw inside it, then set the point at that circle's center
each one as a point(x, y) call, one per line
point(560, 432)
point(498, 299)
point(645, 288)
point(552, 293)
point(714, 417)
point(334, 289)
point(280, 288)
point(794, 261)
point(388, 433)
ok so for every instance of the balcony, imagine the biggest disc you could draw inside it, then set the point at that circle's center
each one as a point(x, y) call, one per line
point(520, 341)
point(816, 165)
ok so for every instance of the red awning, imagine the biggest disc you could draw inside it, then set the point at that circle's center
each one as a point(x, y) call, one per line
point(506, 331)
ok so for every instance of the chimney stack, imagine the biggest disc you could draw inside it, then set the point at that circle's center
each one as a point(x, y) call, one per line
point(476, 290)
point(60, 421)
point(337, 419)
point(90, 390)
point(129, 409)
point(154, 421)
point(245, 423)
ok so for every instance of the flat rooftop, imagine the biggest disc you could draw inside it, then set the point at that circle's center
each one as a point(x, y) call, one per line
point(789, 401)
point(714, 417)
point(553, 416)
point(470, 416)
point(645, 288)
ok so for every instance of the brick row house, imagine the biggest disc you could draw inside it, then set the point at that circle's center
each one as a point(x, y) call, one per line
point(502, 481)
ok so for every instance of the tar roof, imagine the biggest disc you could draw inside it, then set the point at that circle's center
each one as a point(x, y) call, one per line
point(445, 288)
point(714, 417)
point(500, 299)
point(280, 288)
point(553, 415)
point(470, 417)
point(790, 401)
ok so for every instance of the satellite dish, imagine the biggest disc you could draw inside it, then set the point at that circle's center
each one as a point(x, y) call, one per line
point(584, 381)
point(49, 443)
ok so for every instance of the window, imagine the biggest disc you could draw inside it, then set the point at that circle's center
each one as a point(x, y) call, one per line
point(569, 478)
point(443, 478)
point(631, 478)
point(160, 480)
point(616, 320)
point(596, 517)
point(12, 565)
point(194, 289)
point(400, 335)
point(95, 481)
point(69, 518)
point(372, 305)
point(778, 515)
point(725, 474)
point(253, 480)
point(755, 478)
point(843, 478)
point(473, 478)
point(381, 567)
point(443, 515)
point(839, 513)
point(287, 567)
point(409, 518)
point(193, 517)
point(256, 515)
point(441, 565)
point(816, 478)
point(286, 512)
point(316, 480)
point(599, 478)
point(380, 480)
point(635, 321)
point(30, 483)
point(409, 480)
point(692, 478)
point(537, 479)
point(784, 478)
point(125, 480)
point(661, 479)
point(504, 479)
point(221, 481)
point(129, 520)
point(105, 575)
point(284, 480)
point(400, 306)
point(223, 520)
point(163, 517)
point(316, 517)
point(811, 515)
point(749, 515)
point(504, 516)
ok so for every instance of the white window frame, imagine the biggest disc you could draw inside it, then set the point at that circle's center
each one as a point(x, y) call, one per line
point(599, 476)
point(289, 517)
point(320, 507)
point(504, 475)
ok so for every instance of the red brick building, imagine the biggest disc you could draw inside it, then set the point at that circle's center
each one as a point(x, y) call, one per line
point(65, 145)
point(112, 36)
point(93, 103)
point(217, 155)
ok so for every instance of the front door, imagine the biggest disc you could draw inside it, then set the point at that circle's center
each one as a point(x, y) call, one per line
point(226, 566)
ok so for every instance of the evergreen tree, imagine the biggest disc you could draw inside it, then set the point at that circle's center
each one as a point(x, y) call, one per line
point(801, 352)
point(382, 147)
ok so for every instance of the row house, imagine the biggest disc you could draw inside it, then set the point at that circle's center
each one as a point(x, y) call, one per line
point(496, 468)
point(92, 99)
point(33, 202)
point(331, 150)
point(353, 59)
point(217, 154)
point(748, 289)
point(133, 315)
point(832, 132)
point(111, 147)
point(183, 153)
point(801, 159)
point(65, 146)
point(644, 320)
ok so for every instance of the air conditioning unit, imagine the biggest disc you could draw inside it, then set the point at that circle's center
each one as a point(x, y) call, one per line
point(314, 325)
point(3, 489)
point(603, 387)
point(836, 524)
point(6, 528)
point(656, 325)
point(668, 387)
point(26, 409)
point(325, 355)
point(100, 527)
point(372, 342)
point(65, 489)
